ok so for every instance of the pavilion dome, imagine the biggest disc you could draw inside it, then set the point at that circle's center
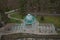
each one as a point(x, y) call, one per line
point(29, 19)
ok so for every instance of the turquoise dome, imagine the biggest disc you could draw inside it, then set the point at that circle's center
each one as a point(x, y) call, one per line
point(29, 19)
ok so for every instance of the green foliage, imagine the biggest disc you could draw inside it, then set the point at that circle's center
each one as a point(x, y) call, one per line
point(45, 5)
point(22, 6)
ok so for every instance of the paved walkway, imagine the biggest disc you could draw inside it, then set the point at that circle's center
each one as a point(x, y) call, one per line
point(9, 16)
point(17, 28)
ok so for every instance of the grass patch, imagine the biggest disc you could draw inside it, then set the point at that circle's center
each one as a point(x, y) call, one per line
point(50, 19)
point(16, 15)
point(13, 21)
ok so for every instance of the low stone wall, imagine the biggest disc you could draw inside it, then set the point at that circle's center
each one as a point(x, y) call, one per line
point(26, 35)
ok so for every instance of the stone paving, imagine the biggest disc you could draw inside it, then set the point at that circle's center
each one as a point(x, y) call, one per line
point(35, 29)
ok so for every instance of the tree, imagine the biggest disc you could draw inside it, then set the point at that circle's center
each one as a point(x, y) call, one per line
point(42, 18)
point(3, 6)
point(22, 7)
